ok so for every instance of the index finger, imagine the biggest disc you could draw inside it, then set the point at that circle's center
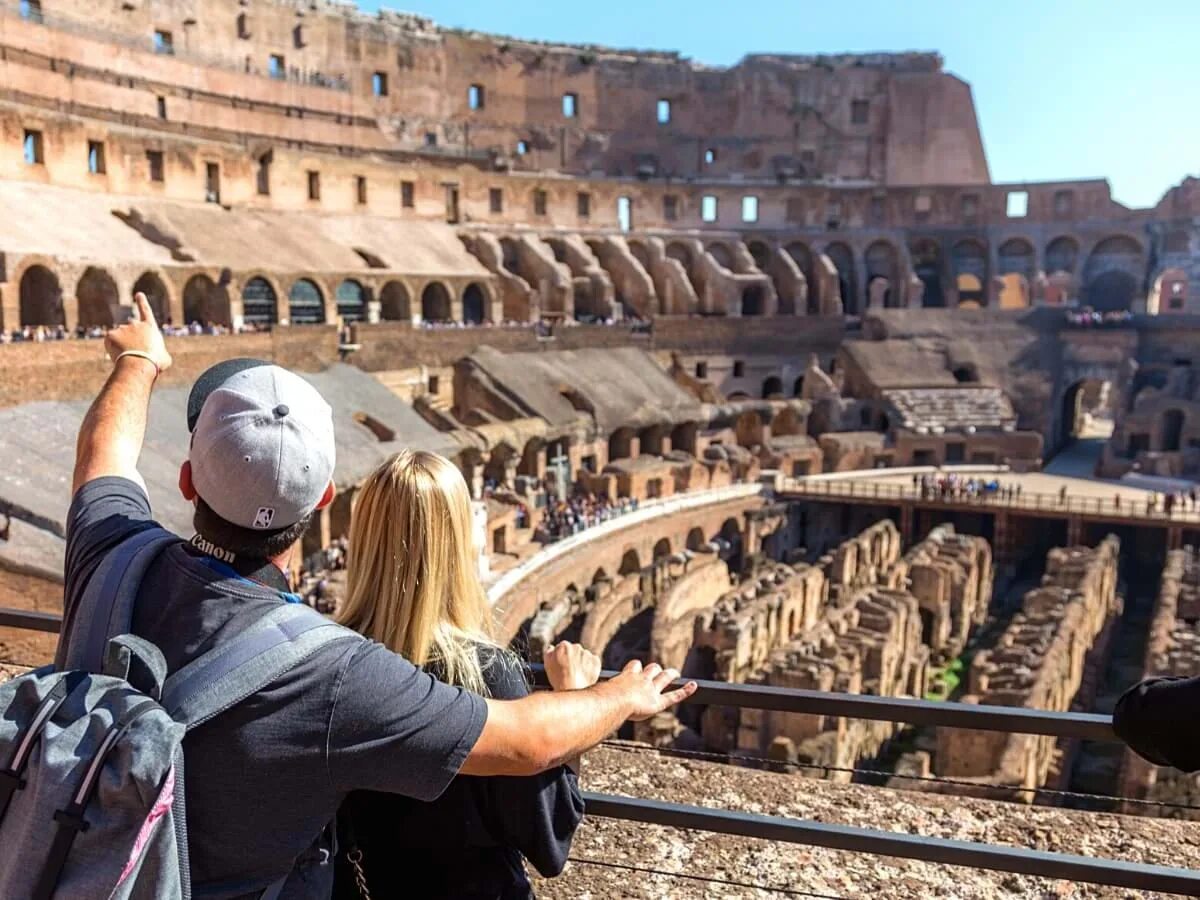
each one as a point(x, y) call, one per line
point(145, 313)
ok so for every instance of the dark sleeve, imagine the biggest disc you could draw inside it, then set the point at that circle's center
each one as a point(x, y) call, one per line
point(396, 729)
point(1157, 719)
point(103, 513)
point(537, 815)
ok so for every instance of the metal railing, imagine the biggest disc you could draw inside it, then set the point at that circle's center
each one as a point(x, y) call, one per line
point(945, 851)
point(1035, 502)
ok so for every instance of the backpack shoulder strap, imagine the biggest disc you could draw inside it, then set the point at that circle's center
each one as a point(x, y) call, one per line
point(231, 672)
point(104, 609)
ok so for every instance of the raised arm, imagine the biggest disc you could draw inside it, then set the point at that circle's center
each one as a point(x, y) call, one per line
point(544, 730)
point(110, 439)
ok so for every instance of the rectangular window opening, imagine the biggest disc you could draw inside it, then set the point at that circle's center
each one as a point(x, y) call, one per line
point(750, 209)
point(408, 192)
point(664, 112)
point(212, 183)
point(522, 148)
point(161, 104)
point(154, 161)
point(1017, 204)
point(708, 208)
point(34, 148)
point(476, 96)
point(570, 106)
point(276, 66)
point(360, 189)
point(625, 213)
point(496, 200)
point(583, 204)
point(379, 84)
point(859, 112)
point(96, 165)
point(164, 42)
point(539, 203)
point(314, 185)
point(710, 156)
point(263, 178)
point(670, 207)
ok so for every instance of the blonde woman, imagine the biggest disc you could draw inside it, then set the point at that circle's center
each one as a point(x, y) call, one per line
point(412, 586)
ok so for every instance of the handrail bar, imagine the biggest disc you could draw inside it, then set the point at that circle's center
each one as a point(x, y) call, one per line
point(1008, 719)
point(1021, 860)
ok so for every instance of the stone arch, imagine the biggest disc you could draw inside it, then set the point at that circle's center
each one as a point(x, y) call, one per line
point(682, 254)
point(662, 548)
point(631, 563)
point(1016, 256)
point(395, 304)
point(842, 258)
point(1062, 254)
point(1112, 274)
point(802, 256)
point(306, 303)
point(599, 576)
point(474, 304)
point(157, 295)
point(98, 297)
point(731, 536)
point(696, 539)
point(883, 262)
point(640, 253)
point(927, 266)
point(722, 254)
point(970, 264)
point(260, 302)
point(760, 252)
point(510, 255)
point(205, 301)
point(41, 298)
point(435, 303)
point(351, 301)
point(772, 386)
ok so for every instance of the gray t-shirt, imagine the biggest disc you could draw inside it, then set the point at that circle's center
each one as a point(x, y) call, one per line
point(264, 778)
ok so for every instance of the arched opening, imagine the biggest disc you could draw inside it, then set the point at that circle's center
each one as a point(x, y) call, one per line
point(722, 254)
point(394, 303)
point(1170, 293)
point(842, 258)
point(640, 253)
point(156, 295)
point(772, 387)
point(1086, 412)
point(1172, 430)
point(798, 386)
point(98, 297)
point(696, 539)
point(1016, 257)
point(1062, 255)
point(41, 298)
point(662, 548)
point(306, 303)
point(631, 563)
point(474, 301)
point(969, 259)
point(1014, 291)
point(502, 460)
point(510, 256)
point(1111, 292)
point(730, 542)
point(803, 258)
point(632, 641)
point(927, 266)
point(883, 275)
point(351, 301)
point(760, 253)
point(1112, 274)
point(435, 303)
point(752, 301)
point(260, 304)
point(683, 255)
point(600, 576)
point(205, 302)
point(620, 444)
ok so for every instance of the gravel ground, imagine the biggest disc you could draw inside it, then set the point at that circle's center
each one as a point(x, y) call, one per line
point(792, 870)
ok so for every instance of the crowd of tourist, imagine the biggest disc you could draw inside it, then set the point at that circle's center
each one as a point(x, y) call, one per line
point(1090, 318)
point(38, 334)
point(316, 576)
point(564, 518)
point(955, 487)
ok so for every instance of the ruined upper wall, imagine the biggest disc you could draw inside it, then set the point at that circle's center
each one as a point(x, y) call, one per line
point(430, 88)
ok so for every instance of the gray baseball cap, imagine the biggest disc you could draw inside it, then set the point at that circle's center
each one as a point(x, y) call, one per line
point(262, 450)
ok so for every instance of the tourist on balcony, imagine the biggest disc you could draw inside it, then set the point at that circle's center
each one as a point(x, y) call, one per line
point(413, 586)
point(265, 778)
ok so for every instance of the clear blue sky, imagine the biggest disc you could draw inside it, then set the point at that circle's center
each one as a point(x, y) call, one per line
point(1063, 88)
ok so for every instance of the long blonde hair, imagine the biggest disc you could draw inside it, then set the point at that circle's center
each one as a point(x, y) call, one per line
point(412, 582)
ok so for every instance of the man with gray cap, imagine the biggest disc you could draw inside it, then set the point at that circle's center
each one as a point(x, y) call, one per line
point(265, 778)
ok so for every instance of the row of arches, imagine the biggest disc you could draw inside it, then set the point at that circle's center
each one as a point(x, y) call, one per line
point(205, 300)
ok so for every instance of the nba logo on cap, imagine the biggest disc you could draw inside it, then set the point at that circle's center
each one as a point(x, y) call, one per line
point(263, 517)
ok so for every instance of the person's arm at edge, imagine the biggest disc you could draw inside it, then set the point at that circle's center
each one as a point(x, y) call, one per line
point(546, 729)
point(112, 433)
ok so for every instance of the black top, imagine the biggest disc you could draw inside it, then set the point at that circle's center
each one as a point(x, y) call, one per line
point(468, 843)
point(1157, 719)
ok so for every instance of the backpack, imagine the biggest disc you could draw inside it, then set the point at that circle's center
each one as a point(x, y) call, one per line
point(92, 799)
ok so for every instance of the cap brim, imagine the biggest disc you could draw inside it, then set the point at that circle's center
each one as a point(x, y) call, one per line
point(211, 379)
